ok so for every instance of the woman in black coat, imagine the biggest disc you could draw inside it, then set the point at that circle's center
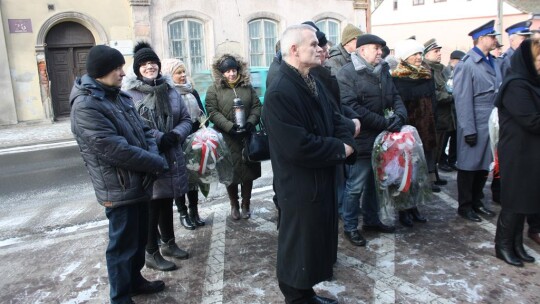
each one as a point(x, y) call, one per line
point(519, 142)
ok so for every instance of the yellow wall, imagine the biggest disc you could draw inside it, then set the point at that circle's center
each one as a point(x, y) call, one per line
point(113, 16)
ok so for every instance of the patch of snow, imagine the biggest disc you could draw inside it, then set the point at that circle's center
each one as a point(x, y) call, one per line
point(412, 262)
point(83, 296)
point(10, 241)
point(330, 287)
point(69, 269)
point(75, 228)
point(439, 271)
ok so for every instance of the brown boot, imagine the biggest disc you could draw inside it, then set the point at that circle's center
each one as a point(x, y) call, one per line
point(232, 190)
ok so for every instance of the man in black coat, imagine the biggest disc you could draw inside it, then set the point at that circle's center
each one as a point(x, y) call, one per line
point(121, 156)
point(307, 140)
point(366, 86)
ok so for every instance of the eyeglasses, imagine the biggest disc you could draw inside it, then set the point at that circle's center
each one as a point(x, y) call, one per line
point(151, 63)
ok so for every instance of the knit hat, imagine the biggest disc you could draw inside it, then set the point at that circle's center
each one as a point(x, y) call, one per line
point(228, 63)
point(457, 54)
point(406, 48)
point(369, 39)
point(102, 59)
point(143, 52)
point(170, 65)
point(349, 33)
point(310, 23)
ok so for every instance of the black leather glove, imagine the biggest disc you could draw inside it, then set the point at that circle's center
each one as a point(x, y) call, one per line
point(234, 130)
point(249, 127)
point(168, 140)
point(471, 139)
point(394, 124)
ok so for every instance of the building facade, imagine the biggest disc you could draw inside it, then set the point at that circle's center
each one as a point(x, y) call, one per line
point(449, 21)
point(46, 43)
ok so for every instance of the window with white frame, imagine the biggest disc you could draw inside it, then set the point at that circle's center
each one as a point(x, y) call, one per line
point(186, 38)
point(262, 41)
point(330, 28)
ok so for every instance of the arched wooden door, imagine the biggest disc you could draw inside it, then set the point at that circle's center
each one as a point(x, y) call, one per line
point(67, 46)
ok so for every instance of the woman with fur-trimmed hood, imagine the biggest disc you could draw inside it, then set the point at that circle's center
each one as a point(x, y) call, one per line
point(232, 80)
point(162, 109)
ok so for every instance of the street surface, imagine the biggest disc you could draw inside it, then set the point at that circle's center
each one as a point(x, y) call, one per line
point(53, 236)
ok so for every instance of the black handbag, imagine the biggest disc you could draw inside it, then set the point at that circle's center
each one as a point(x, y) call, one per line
point(256, 147)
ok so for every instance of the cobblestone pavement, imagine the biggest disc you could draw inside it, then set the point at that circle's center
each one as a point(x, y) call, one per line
point(446, 260)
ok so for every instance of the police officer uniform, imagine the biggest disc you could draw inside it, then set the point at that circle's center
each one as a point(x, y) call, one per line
point(520, 28)
point(476, 80)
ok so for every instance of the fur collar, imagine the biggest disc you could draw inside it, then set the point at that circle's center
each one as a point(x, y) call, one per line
point(219, 80)
point(131, 82)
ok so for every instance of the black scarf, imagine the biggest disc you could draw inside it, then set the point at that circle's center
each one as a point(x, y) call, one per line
point(155, 108)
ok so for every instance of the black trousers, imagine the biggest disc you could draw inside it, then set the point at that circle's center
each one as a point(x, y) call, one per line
point(193, 199)
point(160, 214)
point(294, 295)
point(451, 158)
point(470, 189)
point(534, 223)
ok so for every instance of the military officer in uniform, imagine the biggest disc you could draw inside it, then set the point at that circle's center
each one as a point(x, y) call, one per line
point(476, 81)
point(516, 34)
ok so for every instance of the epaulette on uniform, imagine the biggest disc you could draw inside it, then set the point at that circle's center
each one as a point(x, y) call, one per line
point(465, 58)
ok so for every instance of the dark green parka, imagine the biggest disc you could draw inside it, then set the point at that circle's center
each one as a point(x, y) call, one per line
point(219, 106)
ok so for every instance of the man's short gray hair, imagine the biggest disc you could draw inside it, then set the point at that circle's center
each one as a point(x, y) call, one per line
point(293, 36)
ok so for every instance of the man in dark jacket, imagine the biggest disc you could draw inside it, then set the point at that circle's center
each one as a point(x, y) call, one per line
point(444, 105)
point(366, 86)
point(340, 54)
point(121, 157)
point(307, 140)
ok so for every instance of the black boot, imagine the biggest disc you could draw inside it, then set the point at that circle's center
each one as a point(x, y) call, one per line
point(194, 215)
point(504, 239)
point(416, 216)
point(170, 249)
point(182, 209)
point(518, 241)
point(405, 218)
point(246, 199)
point(185, 220)
point(439, 181)
point(156, 261)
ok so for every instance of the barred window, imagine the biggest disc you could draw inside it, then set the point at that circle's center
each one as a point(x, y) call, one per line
point(418, 2)
point(331, 28)
point(262, 42)
point(186, 38)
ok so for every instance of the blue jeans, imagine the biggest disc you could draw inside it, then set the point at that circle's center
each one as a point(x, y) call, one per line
point(128, 226)
point(360, 179)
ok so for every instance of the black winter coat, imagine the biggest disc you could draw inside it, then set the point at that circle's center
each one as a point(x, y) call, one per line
point(369, 96)
point(518, 103)
point(306, 140)
point(119, 151)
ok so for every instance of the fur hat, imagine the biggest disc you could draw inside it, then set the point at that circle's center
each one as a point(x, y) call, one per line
point(143, 52)
point(349, 33)
point(406, 48)
point(102, 59)
point(228, 63)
